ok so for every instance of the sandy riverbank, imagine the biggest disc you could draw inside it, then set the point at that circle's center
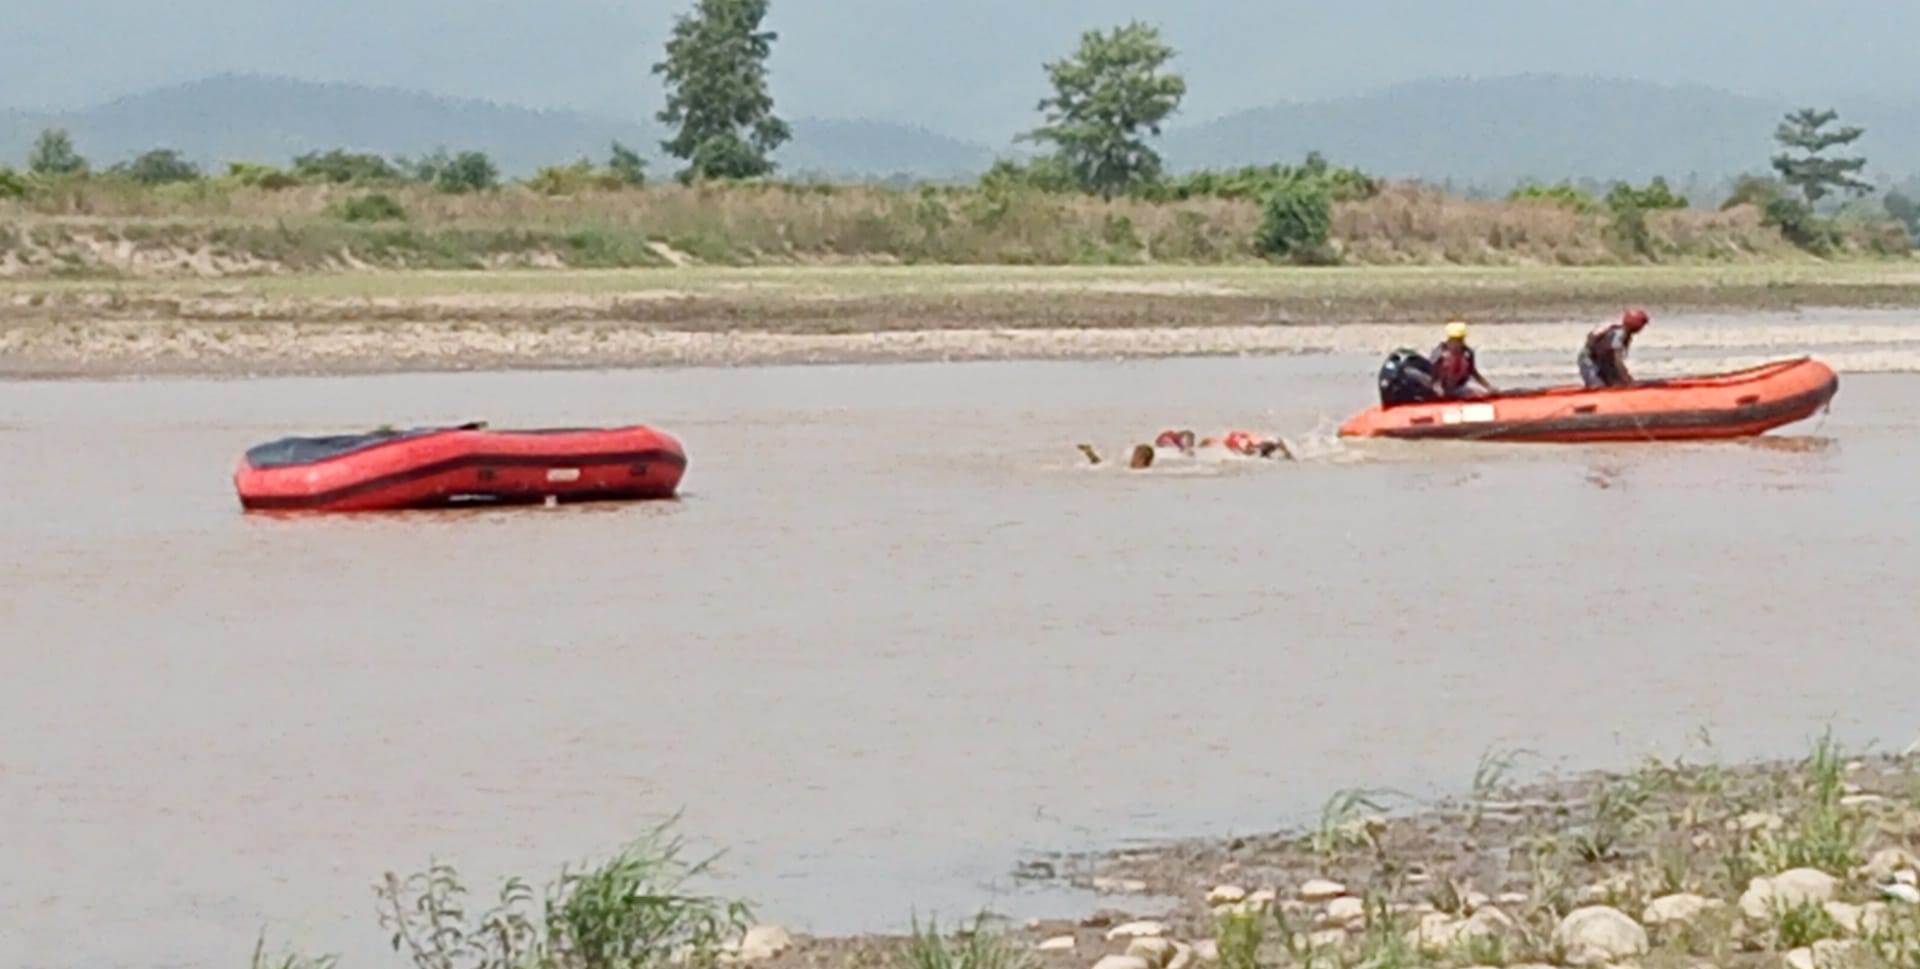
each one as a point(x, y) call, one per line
point(1851, 341)
point(452, 321)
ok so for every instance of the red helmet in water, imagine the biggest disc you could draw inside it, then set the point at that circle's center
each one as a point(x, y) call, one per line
point(1635, 320)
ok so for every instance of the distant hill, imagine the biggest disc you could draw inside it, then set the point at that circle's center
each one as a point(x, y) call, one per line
point(1483, 132)
point(271, 119)
point(1537, 126)
point(881, 148)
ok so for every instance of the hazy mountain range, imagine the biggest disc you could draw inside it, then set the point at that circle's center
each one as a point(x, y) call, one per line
point(1483, 131)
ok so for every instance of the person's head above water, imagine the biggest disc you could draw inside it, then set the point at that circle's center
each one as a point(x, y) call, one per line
point(1457, 330)
point(1635, 320)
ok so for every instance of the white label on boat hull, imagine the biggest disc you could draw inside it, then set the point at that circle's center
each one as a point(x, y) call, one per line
point(563, 475)
point(1468, 414)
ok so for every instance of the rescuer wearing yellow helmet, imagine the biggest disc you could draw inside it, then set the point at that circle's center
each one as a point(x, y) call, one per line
point(1454, 368)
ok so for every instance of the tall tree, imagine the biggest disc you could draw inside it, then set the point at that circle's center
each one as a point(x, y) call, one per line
point(1107, 98)
point(53, 154)
point(627, 165)
point(715, 73)
point(161, 166)
point(1804, 137)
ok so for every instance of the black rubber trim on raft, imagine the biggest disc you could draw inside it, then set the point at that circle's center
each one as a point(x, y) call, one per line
point(323, 498)
point(1807, 402)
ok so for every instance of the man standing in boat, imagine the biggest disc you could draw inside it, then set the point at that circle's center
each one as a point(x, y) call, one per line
point(1603, 359)
point(1454, 366)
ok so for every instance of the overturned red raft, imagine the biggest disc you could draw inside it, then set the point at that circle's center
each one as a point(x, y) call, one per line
point(1738, 404)
point(435, 467)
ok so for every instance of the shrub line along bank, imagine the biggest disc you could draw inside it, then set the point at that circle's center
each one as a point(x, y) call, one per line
point(220, 226)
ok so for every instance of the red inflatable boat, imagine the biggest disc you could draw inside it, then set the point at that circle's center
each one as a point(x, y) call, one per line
point(1739, 404)
point(434, 467)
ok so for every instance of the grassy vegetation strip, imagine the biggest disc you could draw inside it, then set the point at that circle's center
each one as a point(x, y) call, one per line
point(216, 229)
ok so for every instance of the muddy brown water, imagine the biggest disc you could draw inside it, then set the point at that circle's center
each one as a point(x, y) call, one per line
point(894, 639)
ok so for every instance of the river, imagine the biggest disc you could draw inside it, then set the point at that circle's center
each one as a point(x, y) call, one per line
point(895, 637)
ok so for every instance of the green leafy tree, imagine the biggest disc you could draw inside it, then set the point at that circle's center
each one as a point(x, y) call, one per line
point(1754, 190)
point(54, 154)
point(161, 166)
point(1904, 210)
point(1107, 99)
point(1657, 195)
point(260, 176)
point(627, 166)
point(1296, 222)
point(341, 167)
point(374, 207)
point(469, 171)
point(572, 179)
point(715, 73)
point(1804, 139)
point(1565, 195)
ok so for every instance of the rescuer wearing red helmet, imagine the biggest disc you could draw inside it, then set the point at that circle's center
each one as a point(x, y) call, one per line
point(1603, 359)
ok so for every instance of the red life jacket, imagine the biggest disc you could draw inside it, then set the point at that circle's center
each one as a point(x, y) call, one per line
point(1452, 365)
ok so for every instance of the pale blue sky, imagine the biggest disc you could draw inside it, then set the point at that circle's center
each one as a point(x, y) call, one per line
point(969, 68)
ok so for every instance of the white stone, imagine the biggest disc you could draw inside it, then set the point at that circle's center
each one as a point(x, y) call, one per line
point(1862, 800)
point(1119, 886)
point(1346, 911)
point(1758, 821)
point(763, 942)
point(1435, 932)
point(1886, 864)
point(1606, 890)
point(1156, 950)
point(1059, 943)
point(1800, 886)
point(1207, 950)
point(1320, 890)
point(1145, 928)
point(1487, 922)
point(1182, 956)
point(1901, 892)
point(1323, 939)
point(1833, 953)
point(1226, 895)
point(1906, 876)
point(1825, 954)
point(1598, 935)
point(1121, 962)
point(1512, 898)
point(1681, 909)
point(1859, 919)
point(1438, 932)
point(1475, 901)
point(1263, 899)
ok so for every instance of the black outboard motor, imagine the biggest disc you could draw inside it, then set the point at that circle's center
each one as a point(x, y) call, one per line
point(1406, 378)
